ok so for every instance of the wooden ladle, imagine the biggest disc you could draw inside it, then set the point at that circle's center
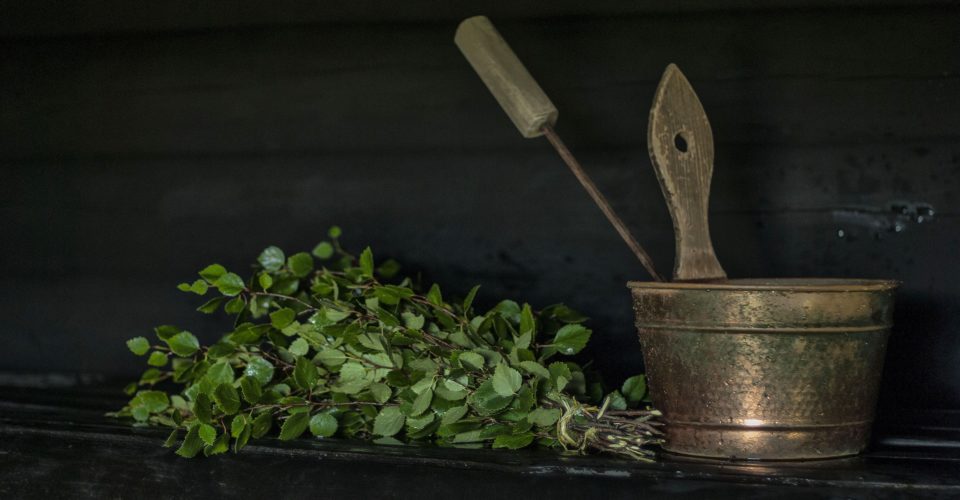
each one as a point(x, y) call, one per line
point(681, 149)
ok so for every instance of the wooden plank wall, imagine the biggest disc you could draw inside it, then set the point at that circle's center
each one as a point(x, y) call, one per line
point(134, 150)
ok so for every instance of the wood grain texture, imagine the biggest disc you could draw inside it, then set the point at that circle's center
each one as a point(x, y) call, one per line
point(130, 160)
point(75, 17)
point(504, 74)
point(56, 443)
point(681, 149)
point(405, 88)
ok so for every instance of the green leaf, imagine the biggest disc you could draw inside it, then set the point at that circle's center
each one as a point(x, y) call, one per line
point(334, 232)
point(617, 401)
point(294, 426)
point(153, 401)
point(265, 280)
point(527, 323)
point(305, 373)
point(201, 408)
point(140, 413)
point(389, 421)
point(494, 430)
point(434, 296)
point(211, 306)
point(563, 314)
point(468, 437)
point(221, 445)
point(261, 425)
point(634, 389)
point(157, 359)
point(299, 347)
point(229, 284)
point(352, 371)
point(323, 425)
point(513, 441)
point(221, 349)
point(166, 331)
point(212, 272)
point(300, 264)
point(138, 345)
point(389, 268)
point(282, 317)
point(418, 424)
point(487, 401)
point(259, 369)
point(335, 315)
point(251, 389)
point(221, 372)
point(571, 339)
point(509, 310)
point(472, 294)
point(560, 374)
point(178, 402)
point(234, 306)
point(535, 368)
point(207, 433)
point(330, 357)
point(150, 376)
point(387, 296)
point(421, 403)
point(454, 414)
point(192, 444)
point(412, 321)
point(183, 344)
point(172, 438)
point(323, 250)
point(238, 425)
point(198, 287)
point(271, 258)
point(544, 416)
point(381, 392)
point(227, 398)
point(366, 264)
point(471, 360)
point(451, 390)
point(506, 380)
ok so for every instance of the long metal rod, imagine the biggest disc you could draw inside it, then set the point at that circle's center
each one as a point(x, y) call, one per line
point(601, 201)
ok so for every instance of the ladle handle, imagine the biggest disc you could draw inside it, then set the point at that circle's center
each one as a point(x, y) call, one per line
point(681, 149)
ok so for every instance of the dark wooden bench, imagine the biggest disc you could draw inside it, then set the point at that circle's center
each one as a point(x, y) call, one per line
point(57, 443)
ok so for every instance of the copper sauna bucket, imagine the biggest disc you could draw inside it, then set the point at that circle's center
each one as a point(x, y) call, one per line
point(765, 369)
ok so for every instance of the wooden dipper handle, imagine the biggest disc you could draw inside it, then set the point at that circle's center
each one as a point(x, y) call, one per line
point(530, 109)
point(518, 93)
point(681, 149)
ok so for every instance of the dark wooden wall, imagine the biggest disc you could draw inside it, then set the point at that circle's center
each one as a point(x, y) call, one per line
point(139, 144)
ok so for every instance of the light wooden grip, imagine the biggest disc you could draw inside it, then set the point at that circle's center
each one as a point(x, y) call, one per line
point(508, 80)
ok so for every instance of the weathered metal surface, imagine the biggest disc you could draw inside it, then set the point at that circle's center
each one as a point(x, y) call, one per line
point(778, 369)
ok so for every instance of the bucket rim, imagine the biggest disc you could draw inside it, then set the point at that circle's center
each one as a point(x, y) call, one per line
point(775, 284)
